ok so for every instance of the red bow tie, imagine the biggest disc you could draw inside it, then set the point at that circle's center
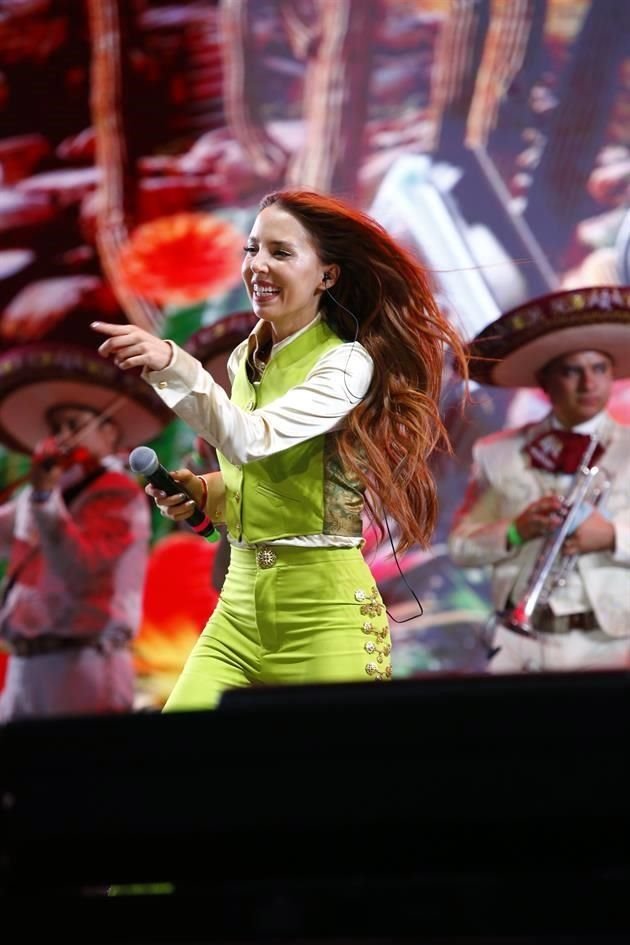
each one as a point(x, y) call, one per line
point(561, 451)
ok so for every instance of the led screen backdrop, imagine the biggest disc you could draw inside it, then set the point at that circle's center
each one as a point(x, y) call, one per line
point(136, 137)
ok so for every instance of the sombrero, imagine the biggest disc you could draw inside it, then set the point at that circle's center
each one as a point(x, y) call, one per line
point(41, 375)
point(213, 344)
point(511, 351)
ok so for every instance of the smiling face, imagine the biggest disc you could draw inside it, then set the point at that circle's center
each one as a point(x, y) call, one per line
point(283, 272)
point(578, 385)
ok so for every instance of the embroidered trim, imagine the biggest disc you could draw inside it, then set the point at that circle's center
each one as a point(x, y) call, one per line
point(379, 648)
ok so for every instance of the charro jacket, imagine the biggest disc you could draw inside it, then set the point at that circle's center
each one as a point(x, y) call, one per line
point(503, 483)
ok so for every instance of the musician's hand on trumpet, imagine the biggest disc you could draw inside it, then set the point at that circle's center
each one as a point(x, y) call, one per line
point(80, 438)
point(46, 468)
point(541, 517)
point(596, 533)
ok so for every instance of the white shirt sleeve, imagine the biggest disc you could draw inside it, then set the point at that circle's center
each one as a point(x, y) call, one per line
point(318, 405)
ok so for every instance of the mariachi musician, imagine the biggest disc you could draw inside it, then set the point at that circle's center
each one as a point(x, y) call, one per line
point(75, 535)
point(574, 345)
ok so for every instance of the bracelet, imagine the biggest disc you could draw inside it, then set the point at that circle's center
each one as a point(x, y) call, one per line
point(513, 536)
point(40, 495)
point(204, 494)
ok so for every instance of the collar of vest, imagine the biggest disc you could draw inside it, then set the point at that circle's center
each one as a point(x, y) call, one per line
point(313, 335)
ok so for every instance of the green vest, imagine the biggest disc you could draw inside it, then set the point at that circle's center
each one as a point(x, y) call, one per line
point(301, 490)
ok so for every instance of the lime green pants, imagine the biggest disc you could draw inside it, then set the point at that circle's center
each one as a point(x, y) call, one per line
point(288, 615)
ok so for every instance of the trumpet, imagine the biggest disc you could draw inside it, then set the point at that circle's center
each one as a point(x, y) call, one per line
point(77, 455)
point(50, 453)
point(551, 568)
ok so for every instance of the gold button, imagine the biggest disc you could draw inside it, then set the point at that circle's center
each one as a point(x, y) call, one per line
point(237, 496)
point(163, 384)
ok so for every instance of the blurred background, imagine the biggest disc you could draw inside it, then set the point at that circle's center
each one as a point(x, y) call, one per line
point(136, 138)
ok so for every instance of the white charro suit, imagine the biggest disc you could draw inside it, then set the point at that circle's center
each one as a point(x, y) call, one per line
point(503, 483)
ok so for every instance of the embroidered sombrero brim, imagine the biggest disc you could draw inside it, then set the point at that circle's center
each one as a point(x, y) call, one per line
point(512, 350)
point(36, 377)
point(223, 335)
point(213, 344)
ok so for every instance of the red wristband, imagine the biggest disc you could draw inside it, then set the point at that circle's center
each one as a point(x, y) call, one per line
point(204, 496)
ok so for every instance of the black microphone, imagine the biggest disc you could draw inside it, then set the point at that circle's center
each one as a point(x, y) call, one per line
point(143, 460)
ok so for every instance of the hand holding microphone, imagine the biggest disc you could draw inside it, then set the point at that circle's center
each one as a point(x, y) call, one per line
point(144, 461)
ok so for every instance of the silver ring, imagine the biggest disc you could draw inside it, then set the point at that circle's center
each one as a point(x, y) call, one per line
point(163, 511)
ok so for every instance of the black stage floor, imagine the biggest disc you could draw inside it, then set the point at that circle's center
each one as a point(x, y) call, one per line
point(441, 810)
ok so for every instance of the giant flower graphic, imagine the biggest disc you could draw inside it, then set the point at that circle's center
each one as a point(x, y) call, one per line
point(182, 259)
point(178, 599)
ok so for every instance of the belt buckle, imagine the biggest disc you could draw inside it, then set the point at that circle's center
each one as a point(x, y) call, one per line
point(265, 558)
point(17, 647)
point(548, 622)
point(562, 624)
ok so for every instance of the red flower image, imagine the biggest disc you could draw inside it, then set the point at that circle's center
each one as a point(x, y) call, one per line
point(182, 258)
point(172, 619)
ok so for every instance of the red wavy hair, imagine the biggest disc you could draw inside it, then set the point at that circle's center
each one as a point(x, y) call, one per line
point(388, 438)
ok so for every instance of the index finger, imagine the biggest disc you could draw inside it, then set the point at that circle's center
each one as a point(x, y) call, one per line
point(109, 328)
